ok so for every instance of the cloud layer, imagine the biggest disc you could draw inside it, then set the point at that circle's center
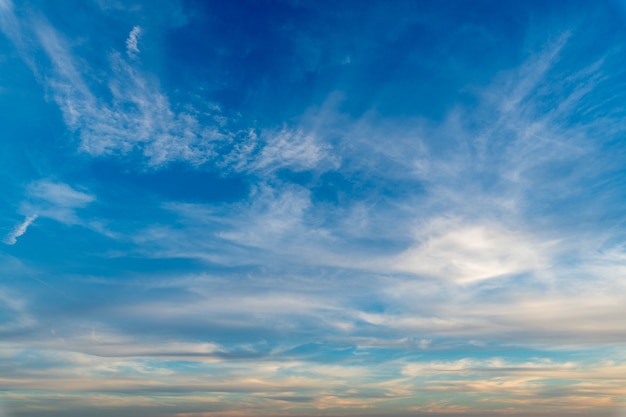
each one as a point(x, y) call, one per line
point(246, 210)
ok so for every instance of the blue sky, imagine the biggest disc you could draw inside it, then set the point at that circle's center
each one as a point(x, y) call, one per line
point(312, 208)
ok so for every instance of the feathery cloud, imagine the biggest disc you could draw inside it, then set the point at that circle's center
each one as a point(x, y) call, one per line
point(132, 48)
point(49, 199)
point(138, 117)
point(20, 229)
point(296, 150)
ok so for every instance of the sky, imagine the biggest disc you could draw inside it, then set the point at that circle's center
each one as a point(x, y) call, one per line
point(294, 208)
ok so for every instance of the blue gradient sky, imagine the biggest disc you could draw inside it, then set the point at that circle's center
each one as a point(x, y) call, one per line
point(312, 208)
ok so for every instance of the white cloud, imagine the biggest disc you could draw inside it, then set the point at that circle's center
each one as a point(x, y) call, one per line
point(497, 272)
point(20, 229)
point(138, 117)
point(132, 48)
point(480, 228)
point(292, 149)
point(59, 194)
point(53, 200)
point(468, 253)
point(273, 215)
point(275, 222)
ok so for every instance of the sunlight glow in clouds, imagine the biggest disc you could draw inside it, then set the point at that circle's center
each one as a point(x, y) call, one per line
point(208, 213)
point(471, 253)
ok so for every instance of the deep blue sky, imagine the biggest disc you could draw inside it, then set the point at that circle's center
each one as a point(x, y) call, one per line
point(312, 208)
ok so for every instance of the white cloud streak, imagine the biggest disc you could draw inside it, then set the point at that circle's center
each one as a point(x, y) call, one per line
point(20, 229)
point(132, 48)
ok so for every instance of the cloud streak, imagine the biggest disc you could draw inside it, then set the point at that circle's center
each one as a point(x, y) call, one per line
point(132, 48)
point(19, 230)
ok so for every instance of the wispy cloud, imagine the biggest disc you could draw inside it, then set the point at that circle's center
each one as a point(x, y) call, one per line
point(55, 200)
point(476, 218)
point(19, 230)
point(296, 150)
point(11, 27)
point(132, 48)
point(59, 194)
point(51, 200)
point(139, 116)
